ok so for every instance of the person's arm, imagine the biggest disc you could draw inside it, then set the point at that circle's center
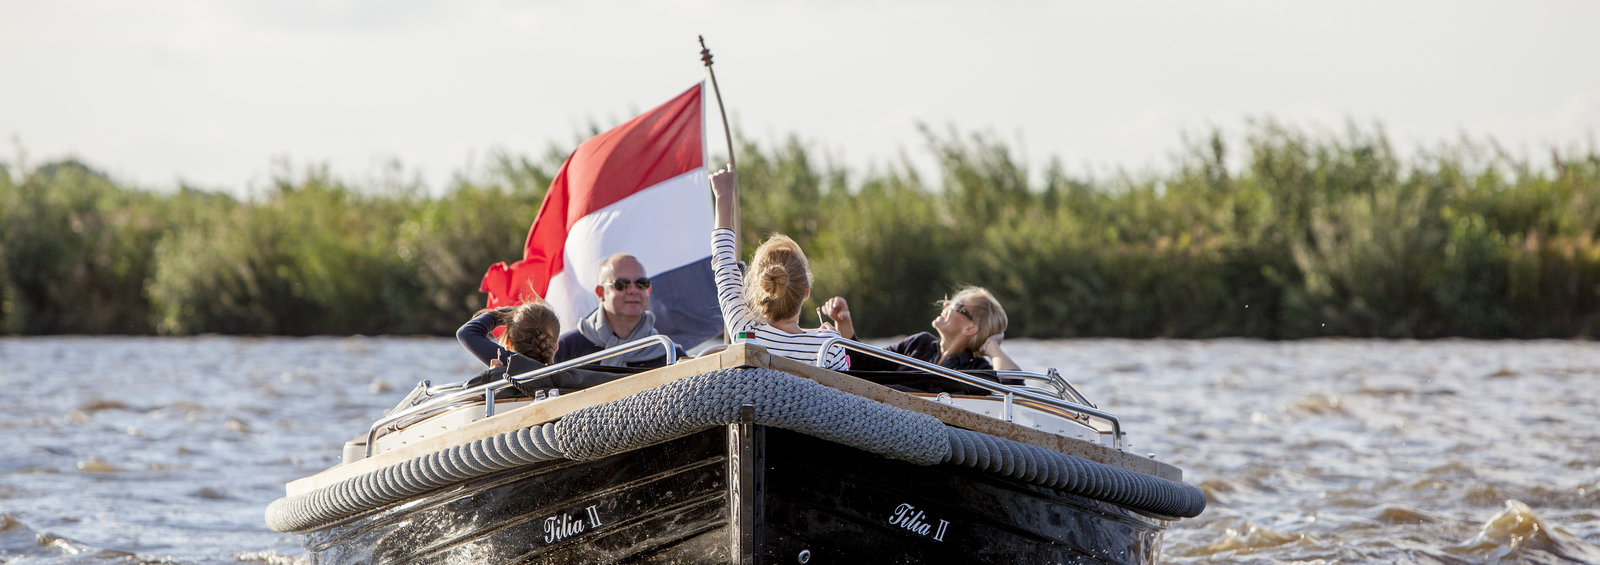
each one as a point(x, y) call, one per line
point(724, 259)
point(725, 186)
point(474, 335)
point(838, 310)
point(997, 356)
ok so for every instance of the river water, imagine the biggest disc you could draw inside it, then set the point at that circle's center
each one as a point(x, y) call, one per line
point(168, 450)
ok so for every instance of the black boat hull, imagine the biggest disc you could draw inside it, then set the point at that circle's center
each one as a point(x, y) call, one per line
point(748, 494)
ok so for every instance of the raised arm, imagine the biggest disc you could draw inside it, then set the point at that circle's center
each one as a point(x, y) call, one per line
point(838, 310)
point(725, 259)
point(724, 185)
point(997, 356)
point(474, 335)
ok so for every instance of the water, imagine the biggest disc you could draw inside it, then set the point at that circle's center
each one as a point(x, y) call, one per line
point(138, 450)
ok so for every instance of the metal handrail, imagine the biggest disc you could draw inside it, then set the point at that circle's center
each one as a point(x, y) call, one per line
point(1032, 381)
point(1074, 412)
point(1064, 389)
point(487, 390)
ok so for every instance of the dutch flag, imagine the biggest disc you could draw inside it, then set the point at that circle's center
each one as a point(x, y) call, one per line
point(641, 189)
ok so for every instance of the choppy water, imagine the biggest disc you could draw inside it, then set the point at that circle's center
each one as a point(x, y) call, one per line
point(132, 450)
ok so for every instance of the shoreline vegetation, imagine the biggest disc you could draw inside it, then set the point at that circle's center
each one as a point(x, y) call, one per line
point(1279, 235)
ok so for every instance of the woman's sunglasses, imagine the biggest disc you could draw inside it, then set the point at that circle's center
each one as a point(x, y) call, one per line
point(621, 285)
point(958, 308)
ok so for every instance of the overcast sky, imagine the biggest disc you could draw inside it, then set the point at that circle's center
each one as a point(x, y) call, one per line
point(212, 92)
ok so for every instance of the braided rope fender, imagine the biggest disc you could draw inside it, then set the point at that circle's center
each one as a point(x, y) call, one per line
point(780, 399)
point(704, 401)
point(1073, 474)
point(412, 477)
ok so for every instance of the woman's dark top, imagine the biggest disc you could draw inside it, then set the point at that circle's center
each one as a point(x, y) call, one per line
point(922, 346)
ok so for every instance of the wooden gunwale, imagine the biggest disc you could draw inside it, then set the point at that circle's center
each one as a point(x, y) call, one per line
point(736, 355)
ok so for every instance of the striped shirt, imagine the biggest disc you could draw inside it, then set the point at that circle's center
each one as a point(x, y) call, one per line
point(737, 315)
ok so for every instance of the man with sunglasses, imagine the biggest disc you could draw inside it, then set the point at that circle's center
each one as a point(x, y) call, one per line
point(623, 316)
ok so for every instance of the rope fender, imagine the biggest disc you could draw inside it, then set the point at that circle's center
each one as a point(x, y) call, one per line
point(780, 399)
point(1073, 474)
point(704, 401)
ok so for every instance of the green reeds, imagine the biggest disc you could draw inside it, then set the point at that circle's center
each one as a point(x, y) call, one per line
point(1290, 235)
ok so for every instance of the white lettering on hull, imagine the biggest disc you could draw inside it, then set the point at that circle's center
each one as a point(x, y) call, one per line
point(912, 520)
point(563, 526)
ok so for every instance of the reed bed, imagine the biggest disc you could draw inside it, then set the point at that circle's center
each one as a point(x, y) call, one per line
point(1278, 234)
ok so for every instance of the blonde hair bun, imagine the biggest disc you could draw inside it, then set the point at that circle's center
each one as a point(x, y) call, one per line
point(782, 279)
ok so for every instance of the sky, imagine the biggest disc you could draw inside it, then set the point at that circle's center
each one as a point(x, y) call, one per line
point(219, 94)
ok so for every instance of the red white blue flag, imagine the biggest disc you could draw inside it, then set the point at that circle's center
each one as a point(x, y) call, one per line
point(640, 189)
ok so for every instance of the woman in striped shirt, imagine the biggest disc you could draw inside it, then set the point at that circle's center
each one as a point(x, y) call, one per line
point(769, 306)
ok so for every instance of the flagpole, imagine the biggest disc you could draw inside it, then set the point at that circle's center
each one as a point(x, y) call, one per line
point(705, 56)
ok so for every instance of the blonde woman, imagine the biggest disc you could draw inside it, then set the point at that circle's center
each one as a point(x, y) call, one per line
point(971, 326)
point(768, 304)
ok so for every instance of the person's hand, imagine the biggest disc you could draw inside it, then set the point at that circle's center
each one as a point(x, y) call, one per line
point(839, 311)
point(997, 357)
point(991, 346)
point(723, 183)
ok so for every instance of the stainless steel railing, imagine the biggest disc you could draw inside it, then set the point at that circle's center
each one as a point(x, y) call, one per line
point(457, 395)
point(1077, 413)
point(1063, 388)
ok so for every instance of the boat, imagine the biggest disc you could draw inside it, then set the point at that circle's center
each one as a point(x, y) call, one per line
point(741, 456)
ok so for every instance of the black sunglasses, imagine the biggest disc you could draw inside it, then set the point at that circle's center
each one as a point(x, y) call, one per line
point(958, 308)
point(621, 285)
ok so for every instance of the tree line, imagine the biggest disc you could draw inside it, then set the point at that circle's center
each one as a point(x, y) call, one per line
point(1278, 234)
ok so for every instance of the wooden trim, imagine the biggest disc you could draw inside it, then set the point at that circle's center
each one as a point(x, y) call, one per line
point(736, 355)
point(977, 422)
point(511, 420)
